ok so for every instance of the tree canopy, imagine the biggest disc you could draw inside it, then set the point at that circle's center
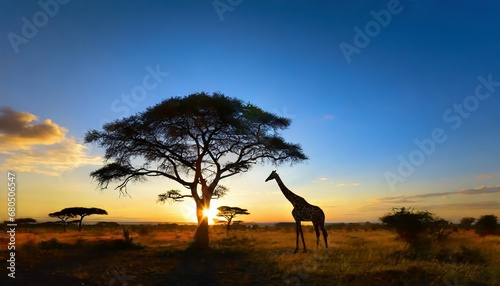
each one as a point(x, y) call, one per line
point(197, 141)
point(72, 212)
point(230, 212)
point(411, 225)
point(487, 225)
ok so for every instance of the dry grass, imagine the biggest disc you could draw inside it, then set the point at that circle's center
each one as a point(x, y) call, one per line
point(158, 256)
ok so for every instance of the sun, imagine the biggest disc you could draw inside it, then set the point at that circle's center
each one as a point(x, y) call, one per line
point(211, 214)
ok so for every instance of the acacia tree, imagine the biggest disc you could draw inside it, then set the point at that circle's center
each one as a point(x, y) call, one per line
point(196, 141)
point(229, 213)
point(63, 216)
point(77, 211)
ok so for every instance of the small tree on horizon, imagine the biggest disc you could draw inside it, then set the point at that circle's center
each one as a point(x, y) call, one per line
point(63, 216)
point(229, 213)
point(25, 222)
point(197, 141)
point(82, 212)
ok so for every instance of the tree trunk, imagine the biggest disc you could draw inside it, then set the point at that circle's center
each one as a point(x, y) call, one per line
point(201, 240)
point(64, 226)
point(227, 226)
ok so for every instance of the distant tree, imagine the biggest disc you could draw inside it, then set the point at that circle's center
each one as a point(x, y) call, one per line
point(77, 211)
point(467, 222)
point(25, 222)
point(411, 225)
point(63, 216)
point(229, 213)
point(487, 225)
point(196, 141)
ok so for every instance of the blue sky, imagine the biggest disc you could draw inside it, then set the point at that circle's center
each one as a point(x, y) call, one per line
point(356, 115)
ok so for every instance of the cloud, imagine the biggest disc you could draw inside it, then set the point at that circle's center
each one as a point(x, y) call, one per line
point(480, 190)
point(41, 148)
point(329, 117)
point(18, 131)
point(476, 191)
point(485, 176)
point(485, 205)
point(395, 200)
point(320, 180)
point(347, 185)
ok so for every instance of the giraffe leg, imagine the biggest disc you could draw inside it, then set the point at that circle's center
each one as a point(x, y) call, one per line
point(316, 229)
point(297, 227)
point(325, 235)
point(302, 236)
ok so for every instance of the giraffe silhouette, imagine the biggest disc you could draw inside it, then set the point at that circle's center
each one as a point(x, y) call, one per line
point(302, 211)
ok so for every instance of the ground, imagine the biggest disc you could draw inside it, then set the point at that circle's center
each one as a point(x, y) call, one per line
point(160, 255)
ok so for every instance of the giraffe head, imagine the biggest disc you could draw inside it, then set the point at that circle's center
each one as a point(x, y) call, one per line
point(273, 175)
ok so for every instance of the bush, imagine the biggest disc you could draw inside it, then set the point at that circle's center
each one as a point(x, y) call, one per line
point(464, 255)
point(487, 225)
point(467, 222)
point(53, 243)
point(412, 226)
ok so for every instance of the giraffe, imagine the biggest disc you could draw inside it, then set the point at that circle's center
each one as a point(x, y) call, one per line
point(302, 211)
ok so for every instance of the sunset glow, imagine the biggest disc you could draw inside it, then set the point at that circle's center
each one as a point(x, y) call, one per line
point(404, 113)
point(211, 214)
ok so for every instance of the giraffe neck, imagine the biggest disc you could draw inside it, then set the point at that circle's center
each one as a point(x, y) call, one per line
point(288, 194)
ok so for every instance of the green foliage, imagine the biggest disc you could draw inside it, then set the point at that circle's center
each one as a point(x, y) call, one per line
point(412, 226)
point(487, 225)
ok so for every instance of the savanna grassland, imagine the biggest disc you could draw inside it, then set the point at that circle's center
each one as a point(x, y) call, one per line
point(160, 255)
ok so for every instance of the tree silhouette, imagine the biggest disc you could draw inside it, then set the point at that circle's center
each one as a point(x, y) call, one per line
point(196, 141)
point(229, 213)
point(67, 213)
point(487, 225)
point(411, 225)
point(63, 216)
point(25, 222)
point(467, 222)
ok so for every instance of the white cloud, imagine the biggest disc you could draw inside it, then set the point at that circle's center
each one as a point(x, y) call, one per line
point(347, 185)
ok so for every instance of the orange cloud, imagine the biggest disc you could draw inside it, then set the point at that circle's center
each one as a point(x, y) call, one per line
point(39, 147)
point(18, 131)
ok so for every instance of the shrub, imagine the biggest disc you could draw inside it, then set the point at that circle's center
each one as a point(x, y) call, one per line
point(127, 237)
point(411, 225)
point(487, 225)
point(467, 222)
point(52, 243)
